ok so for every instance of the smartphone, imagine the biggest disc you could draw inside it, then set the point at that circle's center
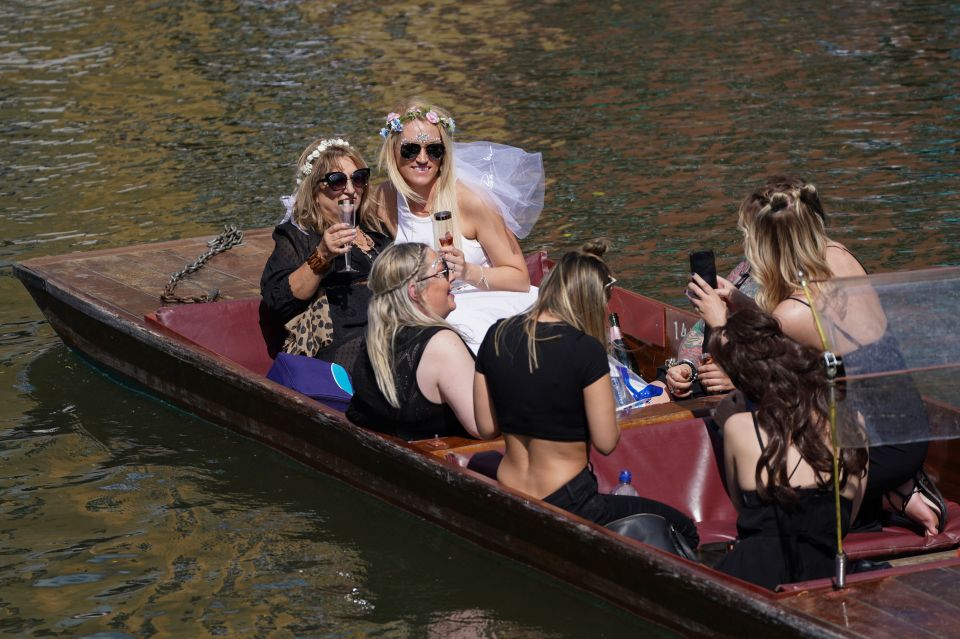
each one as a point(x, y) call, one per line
point(703, 264)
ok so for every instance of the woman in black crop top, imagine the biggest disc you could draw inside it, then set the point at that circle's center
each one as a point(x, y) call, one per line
point(544, 382)
point(778, 460)
point(414, 379)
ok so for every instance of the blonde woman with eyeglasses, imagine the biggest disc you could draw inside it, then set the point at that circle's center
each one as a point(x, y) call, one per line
point(414, 380)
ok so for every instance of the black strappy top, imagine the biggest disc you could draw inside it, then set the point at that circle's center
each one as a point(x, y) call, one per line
point(784, 543)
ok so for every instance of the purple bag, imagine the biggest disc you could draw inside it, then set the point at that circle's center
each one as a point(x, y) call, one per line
point(326, 382)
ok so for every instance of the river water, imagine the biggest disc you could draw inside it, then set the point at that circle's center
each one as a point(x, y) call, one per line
point(132, 122)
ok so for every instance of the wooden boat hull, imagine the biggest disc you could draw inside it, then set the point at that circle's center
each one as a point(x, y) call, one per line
point(103, 320)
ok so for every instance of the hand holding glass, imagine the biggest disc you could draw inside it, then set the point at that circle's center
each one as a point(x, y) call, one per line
point(347, 217)
point(442, 229)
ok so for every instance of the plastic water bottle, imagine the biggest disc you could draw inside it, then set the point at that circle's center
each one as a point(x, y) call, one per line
point(620, 392)
point(625, 487)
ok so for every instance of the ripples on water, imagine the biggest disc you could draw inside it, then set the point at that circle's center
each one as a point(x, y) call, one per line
point(123, 515)
point(127, 122)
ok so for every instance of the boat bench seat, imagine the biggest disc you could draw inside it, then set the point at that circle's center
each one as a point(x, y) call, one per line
point(236, 329)
point(674, 462)
point(241, 330)
point(680, 463)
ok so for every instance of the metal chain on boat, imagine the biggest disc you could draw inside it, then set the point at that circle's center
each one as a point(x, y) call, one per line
point(231, 236)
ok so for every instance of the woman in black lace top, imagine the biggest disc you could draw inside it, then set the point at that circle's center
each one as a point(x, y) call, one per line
point(414, 380)
point(304, 286)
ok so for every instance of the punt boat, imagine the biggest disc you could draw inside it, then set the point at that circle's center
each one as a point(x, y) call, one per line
point(211, 360)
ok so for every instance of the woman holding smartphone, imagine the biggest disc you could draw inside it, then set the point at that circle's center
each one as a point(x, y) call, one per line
point(784, 235)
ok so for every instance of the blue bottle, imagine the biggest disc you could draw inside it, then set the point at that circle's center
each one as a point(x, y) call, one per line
point(625, 487)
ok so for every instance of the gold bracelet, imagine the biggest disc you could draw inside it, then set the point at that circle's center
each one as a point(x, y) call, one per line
point(316, 262)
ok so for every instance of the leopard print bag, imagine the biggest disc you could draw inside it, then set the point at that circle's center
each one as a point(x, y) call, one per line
point(311, 330)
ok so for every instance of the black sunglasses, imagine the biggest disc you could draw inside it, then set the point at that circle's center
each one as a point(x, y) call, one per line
point(444, 272)
point(337, 180)
point(410, 150)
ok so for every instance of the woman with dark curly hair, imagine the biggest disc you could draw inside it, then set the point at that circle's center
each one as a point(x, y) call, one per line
point(778, 457)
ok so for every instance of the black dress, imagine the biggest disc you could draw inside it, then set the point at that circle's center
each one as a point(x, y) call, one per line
point(347, 293)
point(785, 543)
point(891, 465)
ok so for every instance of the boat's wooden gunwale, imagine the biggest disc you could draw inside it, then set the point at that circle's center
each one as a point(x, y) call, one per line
point(689, 597)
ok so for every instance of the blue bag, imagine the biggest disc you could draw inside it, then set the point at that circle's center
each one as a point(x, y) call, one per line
point(325, 382)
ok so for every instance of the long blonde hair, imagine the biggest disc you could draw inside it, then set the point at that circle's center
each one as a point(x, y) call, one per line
point(306, 212)
point(576, 290)
point(445, 188)
point(392, 309)
point(784, 233)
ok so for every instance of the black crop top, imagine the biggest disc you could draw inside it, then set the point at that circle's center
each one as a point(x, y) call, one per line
point(548, 403)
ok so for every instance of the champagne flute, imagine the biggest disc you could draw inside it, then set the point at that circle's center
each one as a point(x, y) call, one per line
point(346, 216)
point(443, 236)
point(442, 229)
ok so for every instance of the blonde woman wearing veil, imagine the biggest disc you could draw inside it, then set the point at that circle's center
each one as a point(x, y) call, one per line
point(494, 193)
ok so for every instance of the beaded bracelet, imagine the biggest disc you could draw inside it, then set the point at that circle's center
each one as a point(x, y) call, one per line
point(670, 363)
point(316, 262)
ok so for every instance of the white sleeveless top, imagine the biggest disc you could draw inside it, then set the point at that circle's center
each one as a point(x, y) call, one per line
point(413, 228)
point(477, 309)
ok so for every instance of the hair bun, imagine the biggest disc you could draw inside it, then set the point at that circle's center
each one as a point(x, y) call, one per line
point(596, 247)
point(779, 201)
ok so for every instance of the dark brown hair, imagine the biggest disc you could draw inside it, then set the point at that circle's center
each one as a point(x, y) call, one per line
point(788, 380)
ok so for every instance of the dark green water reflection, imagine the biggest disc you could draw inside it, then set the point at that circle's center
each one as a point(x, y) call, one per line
point(133, 122)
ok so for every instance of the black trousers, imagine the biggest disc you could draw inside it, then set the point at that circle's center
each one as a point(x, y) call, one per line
point(581, 497)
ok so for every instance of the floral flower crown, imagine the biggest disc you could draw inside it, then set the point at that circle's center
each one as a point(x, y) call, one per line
point(304, 171)
point(395, 121)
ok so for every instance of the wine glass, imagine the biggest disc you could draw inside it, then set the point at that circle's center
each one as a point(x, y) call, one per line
point(346, 216)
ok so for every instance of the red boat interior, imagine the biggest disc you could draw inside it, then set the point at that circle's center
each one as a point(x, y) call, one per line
point(673, 461)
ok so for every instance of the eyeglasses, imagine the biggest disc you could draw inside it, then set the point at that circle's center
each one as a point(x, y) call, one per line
point(337, 180)
point(444, 272)
point(410, 150)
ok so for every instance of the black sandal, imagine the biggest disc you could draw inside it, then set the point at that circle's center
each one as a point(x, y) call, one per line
point(924, 485)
